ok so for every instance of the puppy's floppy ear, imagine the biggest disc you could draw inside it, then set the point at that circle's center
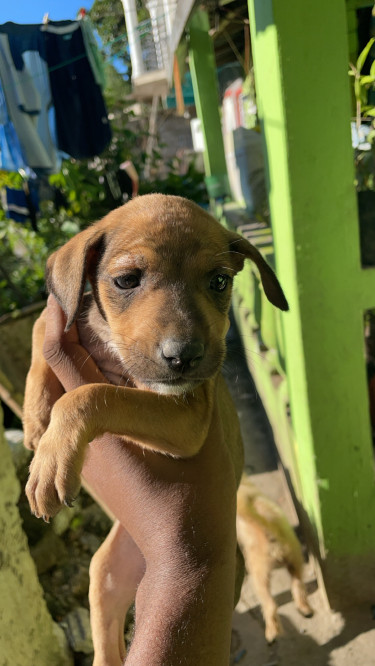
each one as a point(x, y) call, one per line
point(68, 267)
point(244, 250)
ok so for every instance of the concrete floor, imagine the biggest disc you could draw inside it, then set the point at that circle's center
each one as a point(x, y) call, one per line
point(328, 638)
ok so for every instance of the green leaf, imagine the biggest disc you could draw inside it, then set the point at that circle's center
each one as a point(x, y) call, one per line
point(363, 55)
point(365, 80)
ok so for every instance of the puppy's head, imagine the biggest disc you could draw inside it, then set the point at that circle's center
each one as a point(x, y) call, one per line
point(161, 270)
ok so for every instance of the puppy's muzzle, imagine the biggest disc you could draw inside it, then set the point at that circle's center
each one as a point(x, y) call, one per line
point(182, 356)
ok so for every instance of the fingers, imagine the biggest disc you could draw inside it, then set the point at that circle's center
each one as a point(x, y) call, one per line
point(56, 323)
point(55, 338)
point(55, 335)
point(70, 362)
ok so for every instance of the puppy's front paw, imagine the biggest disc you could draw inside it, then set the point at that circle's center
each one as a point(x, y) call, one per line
point(54, 475)
point(33, 431)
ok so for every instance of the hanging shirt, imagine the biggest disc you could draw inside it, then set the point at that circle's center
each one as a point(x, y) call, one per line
point(82, 124)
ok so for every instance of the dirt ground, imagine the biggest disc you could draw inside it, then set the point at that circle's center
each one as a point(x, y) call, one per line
point(328, 638)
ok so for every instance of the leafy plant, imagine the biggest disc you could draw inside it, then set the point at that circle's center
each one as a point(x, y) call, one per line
point(23, 254)
point(109, 19)
point(189, 184)
point(363, 85)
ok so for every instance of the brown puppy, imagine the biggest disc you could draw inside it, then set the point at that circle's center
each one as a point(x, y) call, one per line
point(161, 271)
point(267, 540)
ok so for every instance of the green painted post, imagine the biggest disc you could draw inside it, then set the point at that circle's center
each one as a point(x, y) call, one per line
point(301, 61)
point(205, 87)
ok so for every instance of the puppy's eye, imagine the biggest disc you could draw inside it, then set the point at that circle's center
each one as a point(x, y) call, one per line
point(129, 281)
point(219, 282)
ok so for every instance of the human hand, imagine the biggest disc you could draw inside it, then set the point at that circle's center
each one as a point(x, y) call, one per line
point(69, 360)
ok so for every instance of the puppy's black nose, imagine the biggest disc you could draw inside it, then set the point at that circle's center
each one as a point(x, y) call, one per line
point(182, 356)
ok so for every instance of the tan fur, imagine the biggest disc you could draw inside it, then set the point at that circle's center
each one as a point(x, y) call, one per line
point(164, 401)
point(267, 540)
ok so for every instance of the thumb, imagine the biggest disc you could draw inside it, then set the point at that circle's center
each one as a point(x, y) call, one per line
point(56, 323)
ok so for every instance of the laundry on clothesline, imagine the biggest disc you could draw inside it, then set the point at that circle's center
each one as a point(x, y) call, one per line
point(51, 102)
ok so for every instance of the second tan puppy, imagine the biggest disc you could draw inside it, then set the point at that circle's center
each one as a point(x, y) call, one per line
point(267, 540)
point(161, 271)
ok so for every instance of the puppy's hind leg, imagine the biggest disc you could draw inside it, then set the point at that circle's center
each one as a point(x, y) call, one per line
point(115, 573)
point(259, 564)
point(295, 567)
point(255, 548)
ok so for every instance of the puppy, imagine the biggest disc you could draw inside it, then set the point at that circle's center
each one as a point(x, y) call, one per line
point(161, 271)
point(267, 540)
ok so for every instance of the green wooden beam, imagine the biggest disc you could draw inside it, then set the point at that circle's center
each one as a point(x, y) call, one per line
point(304, 103)
point(359, 4)
point(205, 88)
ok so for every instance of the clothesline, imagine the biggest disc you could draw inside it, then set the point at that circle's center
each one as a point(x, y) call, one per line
point(78, 57)
point(107, 59)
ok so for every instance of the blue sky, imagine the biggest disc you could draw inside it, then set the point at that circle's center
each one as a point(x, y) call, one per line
point(32, 11)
